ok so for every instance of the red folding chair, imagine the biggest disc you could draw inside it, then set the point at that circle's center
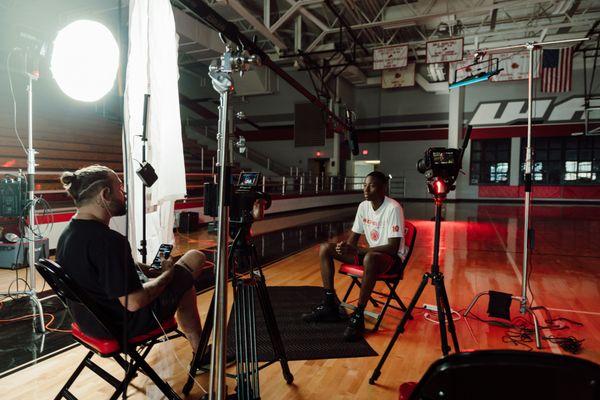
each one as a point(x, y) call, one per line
point(136, 348)
point(390, 278)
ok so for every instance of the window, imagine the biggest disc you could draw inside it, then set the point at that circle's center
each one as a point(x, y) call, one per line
point(490, 161)
point(564, 160)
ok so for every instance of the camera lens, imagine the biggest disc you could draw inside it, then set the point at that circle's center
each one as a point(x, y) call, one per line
point(422, 166)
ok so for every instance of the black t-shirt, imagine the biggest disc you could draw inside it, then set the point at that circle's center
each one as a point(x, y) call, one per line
point(99, 260)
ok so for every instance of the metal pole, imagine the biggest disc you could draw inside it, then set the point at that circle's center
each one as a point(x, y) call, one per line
point(317, 184)
point(31, 196)
point(264, 183)
point(301, 183)
point(528, 180)
point(283, 185)
point(222, 83)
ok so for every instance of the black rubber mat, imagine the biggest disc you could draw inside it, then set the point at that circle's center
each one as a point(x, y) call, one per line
point(302, 341)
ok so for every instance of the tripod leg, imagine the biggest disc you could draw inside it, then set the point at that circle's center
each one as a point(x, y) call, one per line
point(438, 282)
point(399, 328)
point(446, 305)
point(204, 338)
point(273, 329)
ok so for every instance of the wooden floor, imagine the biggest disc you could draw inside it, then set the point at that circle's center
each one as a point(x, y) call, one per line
point(480, 250)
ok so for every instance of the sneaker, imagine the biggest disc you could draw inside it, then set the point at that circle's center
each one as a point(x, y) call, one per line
point(326, 311)
point(356, 326)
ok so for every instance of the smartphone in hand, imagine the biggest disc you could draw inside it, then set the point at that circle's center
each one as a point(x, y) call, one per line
point(165, 250)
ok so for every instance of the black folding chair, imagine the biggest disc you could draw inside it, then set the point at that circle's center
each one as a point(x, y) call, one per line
point(507, 374)
point(137, 348)
point(391, 279)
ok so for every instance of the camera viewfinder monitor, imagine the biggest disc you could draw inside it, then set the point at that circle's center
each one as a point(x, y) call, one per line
point(248, 179)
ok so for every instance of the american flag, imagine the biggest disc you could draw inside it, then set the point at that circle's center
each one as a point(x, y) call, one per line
point(557, 68)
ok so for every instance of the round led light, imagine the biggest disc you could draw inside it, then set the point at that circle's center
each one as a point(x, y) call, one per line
point(85, 59)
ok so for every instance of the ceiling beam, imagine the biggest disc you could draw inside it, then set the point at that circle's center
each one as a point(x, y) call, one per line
point(256, 24)
point(198, 33)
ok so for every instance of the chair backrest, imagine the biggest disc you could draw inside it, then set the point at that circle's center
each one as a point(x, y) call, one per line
point(71, 294)
point(410, 236)
point(509, 374)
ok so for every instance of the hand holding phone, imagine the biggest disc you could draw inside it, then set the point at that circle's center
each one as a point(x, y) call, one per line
point(164, 252)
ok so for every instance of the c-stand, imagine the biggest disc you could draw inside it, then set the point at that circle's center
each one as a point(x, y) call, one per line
point(441, 167)
point(248, 282)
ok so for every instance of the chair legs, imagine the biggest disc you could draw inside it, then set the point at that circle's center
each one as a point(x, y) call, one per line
point(131, 368)
point(64, 391)
point(391, 295)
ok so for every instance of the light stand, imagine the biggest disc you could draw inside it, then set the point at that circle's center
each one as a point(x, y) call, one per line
point(143, 242)
point(525, 307)
point(32, 291)
point(222, 82)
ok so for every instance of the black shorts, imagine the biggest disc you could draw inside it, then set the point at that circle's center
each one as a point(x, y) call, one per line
point(394, 263)
point(163, 307)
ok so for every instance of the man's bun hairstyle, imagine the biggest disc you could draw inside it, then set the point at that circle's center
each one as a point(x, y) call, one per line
point(85, 183)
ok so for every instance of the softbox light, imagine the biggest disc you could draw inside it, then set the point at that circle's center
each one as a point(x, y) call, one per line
point(85, 59)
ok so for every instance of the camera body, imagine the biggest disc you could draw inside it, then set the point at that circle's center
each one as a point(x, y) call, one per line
point(440, 162)
point(243, 207)
point(246, 203)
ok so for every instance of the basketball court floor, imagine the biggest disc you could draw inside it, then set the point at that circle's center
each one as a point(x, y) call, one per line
point(481, 250)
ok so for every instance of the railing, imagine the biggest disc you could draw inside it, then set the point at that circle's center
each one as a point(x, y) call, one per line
point(301, 185)
point(250, 154)
point(310, 185)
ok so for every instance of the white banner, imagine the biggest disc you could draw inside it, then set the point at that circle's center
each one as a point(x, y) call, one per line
point(152, 68)
point(399, 77)
point(448, 50)
point(390, 57)
point(515, 65)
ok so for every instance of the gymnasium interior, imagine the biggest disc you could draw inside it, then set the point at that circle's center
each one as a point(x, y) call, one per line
point(253, 133)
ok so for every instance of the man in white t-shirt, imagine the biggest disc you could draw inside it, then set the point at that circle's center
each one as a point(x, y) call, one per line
point(381, 220)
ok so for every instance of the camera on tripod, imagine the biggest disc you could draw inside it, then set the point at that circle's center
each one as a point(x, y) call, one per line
point(246, 203)
point(441, 166)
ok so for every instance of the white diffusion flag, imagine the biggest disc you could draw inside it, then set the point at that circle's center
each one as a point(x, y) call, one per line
point(152, 69)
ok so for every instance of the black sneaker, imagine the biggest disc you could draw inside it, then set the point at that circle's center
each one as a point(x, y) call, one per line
point(356, 326)
point(327, 311)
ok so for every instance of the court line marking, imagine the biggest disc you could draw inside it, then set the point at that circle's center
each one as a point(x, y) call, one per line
point(553, 346)
point(574, 311)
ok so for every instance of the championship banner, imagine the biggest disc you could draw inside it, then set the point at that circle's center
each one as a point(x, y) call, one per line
point(515, 66)
point(399, 77)
point(441, 51)
point(390, 57)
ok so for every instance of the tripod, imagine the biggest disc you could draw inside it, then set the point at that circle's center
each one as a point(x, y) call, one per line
point(248, 283)
point(443, 305)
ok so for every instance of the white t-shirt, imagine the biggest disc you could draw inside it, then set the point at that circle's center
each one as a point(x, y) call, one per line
point(380, 225)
